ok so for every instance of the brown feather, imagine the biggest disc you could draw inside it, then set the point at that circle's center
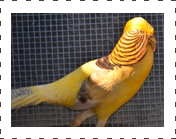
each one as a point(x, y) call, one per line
point(104, 63)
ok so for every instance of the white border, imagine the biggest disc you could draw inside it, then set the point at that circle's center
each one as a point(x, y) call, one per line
point(100, 6)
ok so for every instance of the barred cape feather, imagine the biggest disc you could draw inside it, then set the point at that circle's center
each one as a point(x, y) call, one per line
point(130, 49)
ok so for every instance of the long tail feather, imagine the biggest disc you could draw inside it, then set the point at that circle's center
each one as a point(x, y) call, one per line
point(62, 92)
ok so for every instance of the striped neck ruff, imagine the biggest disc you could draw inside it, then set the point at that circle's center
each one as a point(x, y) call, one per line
point(130, 49)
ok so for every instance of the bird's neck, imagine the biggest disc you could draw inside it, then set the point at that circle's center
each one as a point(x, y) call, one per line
point(130, 49)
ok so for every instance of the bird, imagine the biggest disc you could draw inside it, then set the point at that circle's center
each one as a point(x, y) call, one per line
point(101, 86)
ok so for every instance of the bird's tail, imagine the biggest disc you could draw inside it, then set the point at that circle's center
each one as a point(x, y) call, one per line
point(61, 92)
point(23, 97)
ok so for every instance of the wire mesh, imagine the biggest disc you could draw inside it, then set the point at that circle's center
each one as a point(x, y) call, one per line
point(47, 46)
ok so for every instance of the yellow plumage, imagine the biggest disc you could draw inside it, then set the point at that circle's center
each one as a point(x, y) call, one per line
point(103, 85)
point(61, 92)
point(128, 81)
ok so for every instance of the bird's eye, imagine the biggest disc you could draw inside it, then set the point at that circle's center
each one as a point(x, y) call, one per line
point(141, 31)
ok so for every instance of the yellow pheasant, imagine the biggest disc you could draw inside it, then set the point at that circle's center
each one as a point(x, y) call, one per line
point(101, 86)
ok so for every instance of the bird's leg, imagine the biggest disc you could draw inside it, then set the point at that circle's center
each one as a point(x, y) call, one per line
point(101, 124)
point(81, 117)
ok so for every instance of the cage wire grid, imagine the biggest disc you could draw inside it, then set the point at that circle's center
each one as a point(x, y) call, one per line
point(46, 47)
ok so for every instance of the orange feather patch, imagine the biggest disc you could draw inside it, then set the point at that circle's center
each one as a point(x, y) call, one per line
point(130, 49)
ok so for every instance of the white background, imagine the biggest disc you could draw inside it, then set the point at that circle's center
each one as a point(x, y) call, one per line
point(88, 6)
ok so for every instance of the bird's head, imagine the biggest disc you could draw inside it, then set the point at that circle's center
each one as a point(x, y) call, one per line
point(142, 25)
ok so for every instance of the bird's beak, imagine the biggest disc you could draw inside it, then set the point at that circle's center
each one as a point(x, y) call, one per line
point(152, 41)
